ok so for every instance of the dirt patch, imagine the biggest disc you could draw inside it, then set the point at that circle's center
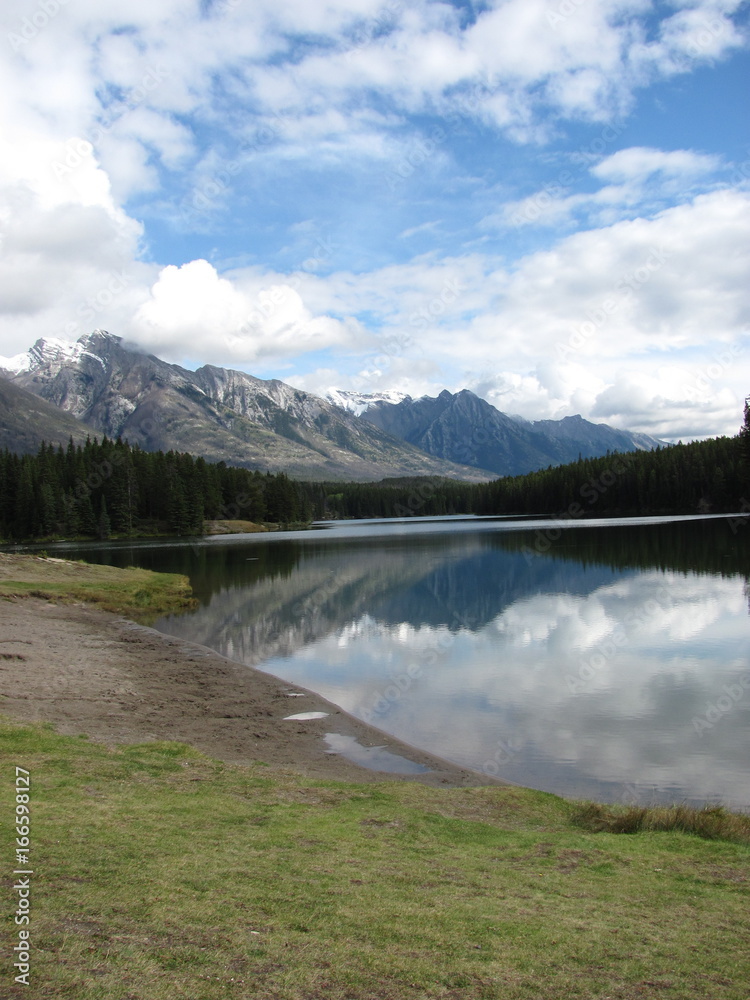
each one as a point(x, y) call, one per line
point(88, 671)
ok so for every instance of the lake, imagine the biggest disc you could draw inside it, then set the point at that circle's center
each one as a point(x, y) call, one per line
point(605, 659)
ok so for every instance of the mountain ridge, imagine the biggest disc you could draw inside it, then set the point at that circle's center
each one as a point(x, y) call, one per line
point(223, 414)
point(27, 420)
point(464, 427)
point(218, 413)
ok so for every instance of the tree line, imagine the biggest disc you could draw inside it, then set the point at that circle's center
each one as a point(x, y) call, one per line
point(711, 476)
point(110, 487)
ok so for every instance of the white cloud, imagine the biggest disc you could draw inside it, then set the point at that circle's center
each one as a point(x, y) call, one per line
point(105, 109)
point(673, 402)
point(69, 259)
point(192, 312)
point(700, 32)
point(551, 336)
point(639, 162)
point(641, 179)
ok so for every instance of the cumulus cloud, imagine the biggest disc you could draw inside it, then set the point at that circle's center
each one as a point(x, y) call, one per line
point(565, 322)
point(193, 312)
point(110, 119)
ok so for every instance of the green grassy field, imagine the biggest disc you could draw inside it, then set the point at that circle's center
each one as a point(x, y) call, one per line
point(160, 874)
point(137, 593)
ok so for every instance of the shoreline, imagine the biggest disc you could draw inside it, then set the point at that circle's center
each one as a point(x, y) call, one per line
point(91, 671)
point(32, 545)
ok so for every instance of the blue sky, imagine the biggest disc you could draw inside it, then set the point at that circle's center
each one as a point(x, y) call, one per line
point(546, 201)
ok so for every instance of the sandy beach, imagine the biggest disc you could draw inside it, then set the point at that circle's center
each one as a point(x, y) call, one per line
point(88, 671)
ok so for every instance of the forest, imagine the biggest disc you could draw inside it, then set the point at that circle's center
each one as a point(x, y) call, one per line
point(109, 488)
point(701, 477)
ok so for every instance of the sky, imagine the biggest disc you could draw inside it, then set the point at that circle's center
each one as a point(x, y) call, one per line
point(544, 201)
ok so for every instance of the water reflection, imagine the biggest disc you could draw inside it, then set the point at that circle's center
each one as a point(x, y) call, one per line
point(608, 660)
point(373, 758)
point(590, 667)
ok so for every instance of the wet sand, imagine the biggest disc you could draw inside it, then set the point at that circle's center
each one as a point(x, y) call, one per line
point(88, 671)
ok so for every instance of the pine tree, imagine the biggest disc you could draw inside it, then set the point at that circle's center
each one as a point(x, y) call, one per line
point(745, 446)
point(104, 527)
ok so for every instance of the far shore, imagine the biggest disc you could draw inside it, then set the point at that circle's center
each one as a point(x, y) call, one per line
point(215, 528)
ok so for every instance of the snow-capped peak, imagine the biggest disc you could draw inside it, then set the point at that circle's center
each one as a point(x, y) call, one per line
point(359, 402)
point(53, 351)
point(15, 365)
point(46, 349)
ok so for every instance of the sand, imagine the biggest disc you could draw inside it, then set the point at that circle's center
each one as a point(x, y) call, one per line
point(88, 671)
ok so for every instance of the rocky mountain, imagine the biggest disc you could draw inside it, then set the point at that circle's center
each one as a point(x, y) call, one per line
point(358, 402)
point(26, 420)
point(462, 427)
point(218, 413)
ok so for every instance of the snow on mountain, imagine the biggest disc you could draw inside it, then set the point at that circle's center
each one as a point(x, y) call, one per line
point(359, 402)
point(15, 365)
point(53, 353)
point(217, 413)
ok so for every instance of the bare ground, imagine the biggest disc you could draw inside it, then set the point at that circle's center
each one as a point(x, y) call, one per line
point(88, 671)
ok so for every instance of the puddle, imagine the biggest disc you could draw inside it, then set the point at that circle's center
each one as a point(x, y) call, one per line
point(304, 716)
point(375, 758)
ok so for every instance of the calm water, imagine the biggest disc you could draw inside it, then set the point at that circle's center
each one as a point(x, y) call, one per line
point(609, 660)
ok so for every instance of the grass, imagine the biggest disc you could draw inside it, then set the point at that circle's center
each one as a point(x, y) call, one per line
point(160, 874)
point(231, 527)
point(138, 593)
point(711, 822)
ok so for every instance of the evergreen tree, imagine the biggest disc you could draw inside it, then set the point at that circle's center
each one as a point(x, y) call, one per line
point(104, 528)
point(745, 443)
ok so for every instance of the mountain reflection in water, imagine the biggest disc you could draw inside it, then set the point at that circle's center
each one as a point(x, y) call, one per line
point(608, 660)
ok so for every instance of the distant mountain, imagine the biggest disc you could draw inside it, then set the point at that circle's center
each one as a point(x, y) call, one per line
point(462, 427)
point(358, 402)
point(26, 421)
point(220, 414)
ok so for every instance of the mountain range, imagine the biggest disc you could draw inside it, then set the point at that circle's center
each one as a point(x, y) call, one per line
point(220, 414)
point(462, 427)
point(98, 385)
